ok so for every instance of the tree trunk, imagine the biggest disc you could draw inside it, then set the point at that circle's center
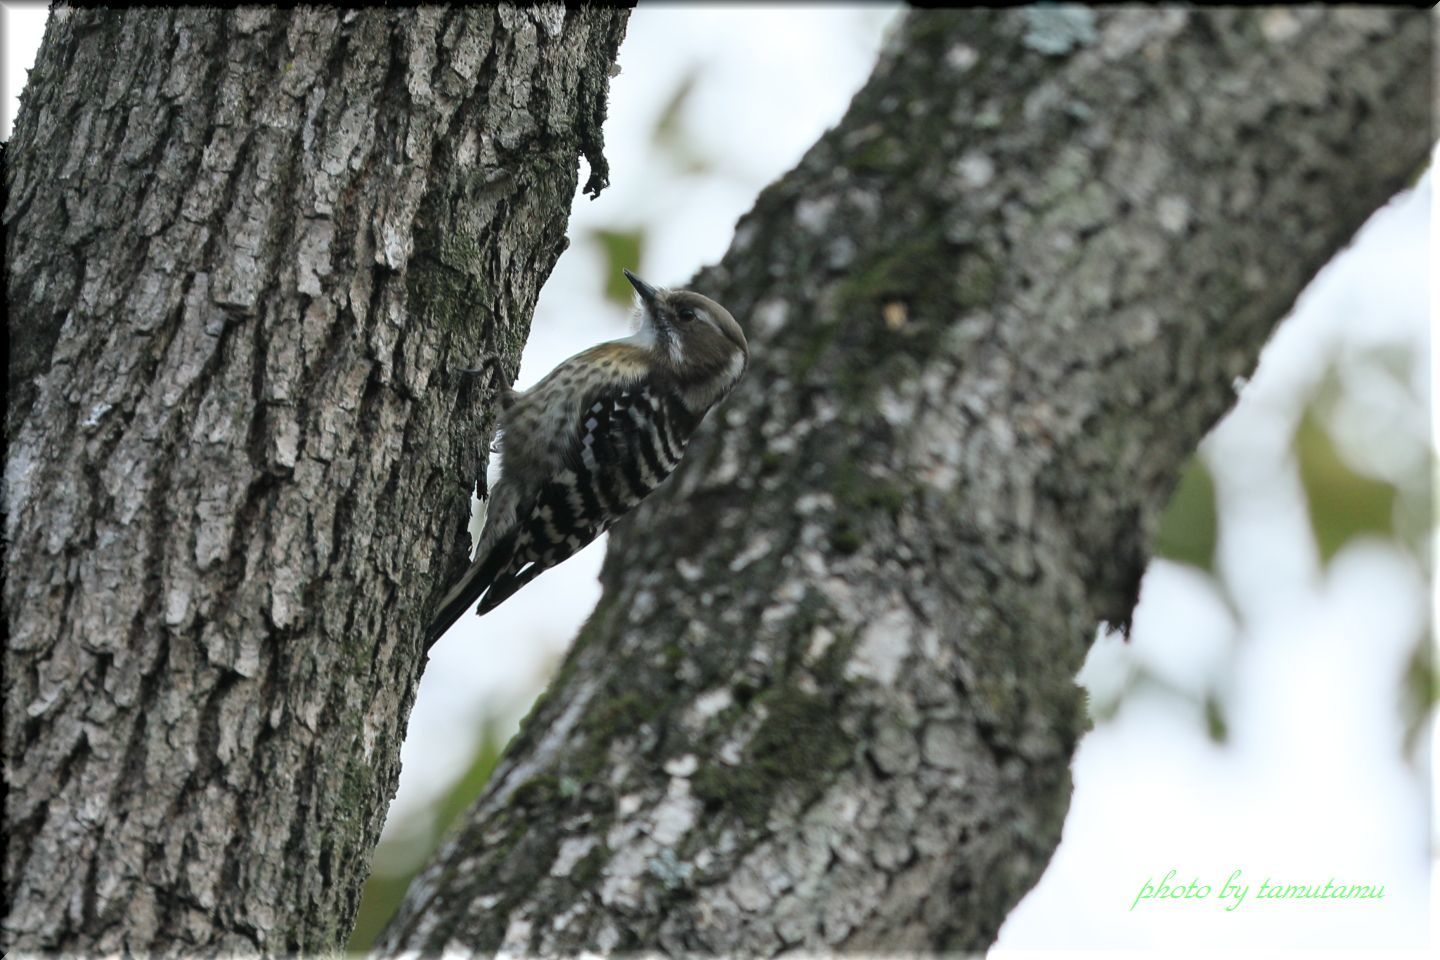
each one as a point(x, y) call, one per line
point(246, 252)
point(827, 700)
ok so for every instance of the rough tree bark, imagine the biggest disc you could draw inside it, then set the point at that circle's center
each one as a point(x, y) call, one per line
point(245, 252)
point(827, 698)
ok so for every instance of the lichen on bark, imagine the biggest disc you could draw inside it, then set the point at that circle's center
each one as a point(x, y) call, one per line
point(245, 252)
point(827, 699)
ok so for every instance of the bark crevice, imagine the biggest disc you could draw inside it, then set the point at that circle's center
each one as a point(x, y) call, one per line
point(233, 447)
point(827, 699)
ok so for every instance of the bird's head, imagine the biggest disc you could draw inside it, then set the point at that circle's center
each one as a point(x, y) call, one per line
point(693, 336)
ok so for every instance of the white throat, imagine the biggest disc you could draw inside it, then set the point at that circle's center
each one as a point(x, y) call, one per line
point(650, 337)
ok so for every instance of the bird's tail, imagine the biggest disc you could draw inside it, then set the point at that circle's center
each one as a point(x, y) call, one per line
point(503, 586)
point(479, 578)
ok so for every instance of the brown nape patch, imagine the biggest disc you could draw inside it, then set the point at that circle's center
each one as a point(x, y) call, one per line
point(618, 356)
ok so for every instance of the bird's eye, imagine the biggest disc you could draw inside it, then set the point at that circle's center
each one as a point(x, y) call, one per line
point(686, 314)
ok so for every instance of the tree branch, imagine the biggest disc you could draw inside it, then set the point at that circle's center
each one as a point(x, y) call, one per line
point(827, 700)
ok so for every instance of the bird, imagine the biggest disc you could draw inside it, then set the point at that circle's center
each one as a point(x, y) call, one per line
point(598, 434)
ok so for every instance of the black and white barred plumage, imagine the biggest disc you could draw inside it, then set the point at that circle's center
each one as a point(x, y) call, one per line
point(586, 444)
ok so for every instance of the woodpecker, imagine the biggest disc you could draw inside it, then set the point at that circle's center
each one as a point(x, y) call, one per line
point(586, 444)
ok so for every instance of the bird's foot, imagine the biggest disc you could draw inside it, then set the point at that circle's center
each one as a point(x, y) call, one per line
point(493, 361)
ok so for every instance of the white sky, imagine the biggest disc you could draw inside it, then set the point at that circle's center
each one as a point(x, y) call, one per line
point(23, 25)
point(1311, 784)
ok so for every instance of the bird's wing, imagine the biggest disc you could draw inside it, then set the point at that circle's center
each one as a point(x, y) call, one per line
point(625, 440)
point(628, 439)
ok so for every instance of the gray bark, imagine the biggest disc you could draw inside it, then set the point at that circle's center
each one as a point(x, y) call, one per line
point(245, 251)
point(827, 699)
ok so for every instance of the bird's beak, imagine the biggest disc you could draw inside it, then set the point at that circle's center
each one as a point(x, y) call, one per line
point(647, 292)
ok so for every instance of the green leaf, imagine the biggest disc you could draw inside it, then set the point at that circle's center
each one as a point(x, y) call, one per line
point(670, 134)
point(1188, 528)
point(622, 249)
point(669, 127)
point(1343, 503)
point(1216, 726)
point(1420, 692)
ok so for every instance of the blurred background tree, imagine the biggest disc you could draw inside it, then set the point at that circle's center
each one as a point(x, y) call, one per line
point(1336, 425)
